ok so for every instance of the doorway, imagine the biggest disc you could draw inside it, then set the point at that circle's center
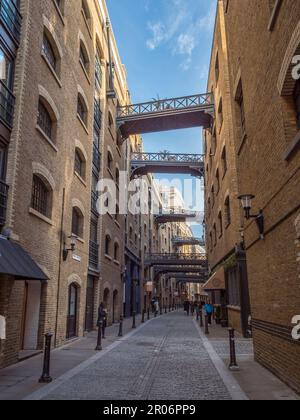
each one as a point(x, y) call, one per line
point(72, 311)
point(30, 315)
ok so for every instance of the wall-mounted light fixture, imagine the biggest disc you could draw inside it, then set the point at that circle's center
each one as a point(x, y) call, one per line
point(72, 248)
point(246, 202)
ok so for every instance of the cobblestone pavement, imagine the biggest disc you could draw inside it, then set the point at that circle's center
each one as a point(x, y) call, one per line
point(164, 360)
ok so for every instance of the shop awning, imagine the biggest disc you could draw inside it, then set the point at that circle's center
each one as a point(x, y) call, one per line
point(216, 281)
point(15, 262)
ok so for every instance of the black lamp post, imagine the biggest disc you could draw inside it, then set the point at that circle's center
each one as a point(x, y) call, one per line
point(246, 202)
point(135, 280)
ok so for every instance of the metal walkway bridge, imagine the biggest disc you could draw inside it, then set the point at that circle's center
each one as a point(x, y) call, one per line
point(167, 163)
point(172, 217)
point(167, 269)
point(189, 278)
point(183, 241)
point(166, 114)
point(176, 260)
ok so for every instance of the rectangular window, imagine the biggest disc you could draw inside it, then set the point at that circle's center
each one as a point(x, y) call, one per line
point(234, 298)
point(44, 120)
point(49, 53)
point(39, 199)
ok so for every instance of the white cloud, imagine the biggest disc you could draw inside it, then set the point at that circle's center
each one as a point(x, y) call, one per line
point(181, 31)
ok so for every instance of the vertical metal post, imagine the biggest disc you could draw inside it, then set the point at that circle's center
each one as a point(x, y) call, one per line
point(148, 313)
point(121, 327)
point(206, 325)
point(201, 318)
point(99, 338)
point(166, 311)
point(46, 378)
point(233, 362)
point(143, 316)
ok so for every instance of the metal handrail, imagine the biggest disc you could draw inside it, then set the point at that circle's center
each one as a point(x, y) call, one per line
point(179, 257)
point(165, 105)
point(192, 239)
point(11, 17)
point(167, 157)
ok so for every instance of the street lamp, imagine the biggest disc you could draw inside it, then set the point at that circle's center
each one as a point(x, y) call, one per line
point(135, 279)
point(246, 203)
point(72, 248)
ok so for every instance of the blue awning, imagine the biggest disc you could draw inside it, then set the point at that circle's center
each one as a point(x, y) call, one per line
point(16, 262)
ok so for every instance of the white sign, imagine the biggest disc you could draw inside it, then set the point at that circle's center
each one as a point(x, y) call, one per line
point(77, 258)
point(2, 328)
point(296, 330)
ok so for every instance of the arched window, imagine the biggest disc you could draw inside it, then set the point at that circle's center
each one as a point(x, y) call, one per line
point(224, 161)
point(82, 109)
point(98, 70)
point(220, 114)
point(117, 177)
point(116, 252)
point(109, 161)
point(110, 121)
point(79, 163)
point(86, 14)
point(227, 212)
point(45, 120)
point(296, 96)
point(107, 244)
point(84, 57)
point(220, 219)
point(77, 222)
point(41, 196)
point(48, 52)
point(218, 181)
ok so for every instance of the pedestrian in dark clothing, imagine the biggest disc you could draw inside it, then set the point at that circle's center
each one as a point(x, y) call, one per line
point(102, 317)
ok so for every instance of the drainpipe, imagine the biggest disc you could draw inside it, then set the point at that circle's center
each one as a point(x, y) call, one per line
point(59, 266)
point(111, 94)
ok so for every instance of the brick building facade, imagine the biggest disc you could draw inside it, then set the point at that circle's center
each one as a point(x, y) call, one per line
point(262, 40)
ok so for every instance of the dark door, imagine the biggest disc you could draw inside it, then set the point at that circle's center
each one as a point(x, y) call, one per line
point(72, 312)
point(89, 310)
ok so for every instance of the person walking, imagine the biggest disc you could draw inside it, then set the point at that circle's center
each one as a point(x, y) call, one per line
point(102, 317)
point(209, 309)
point(156, 307)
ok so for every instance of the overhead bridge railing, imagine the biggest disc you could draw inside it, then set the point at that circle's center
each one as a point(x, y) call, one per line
point(166, 105)
point(167, 157)
point(181, 241)
point(176, 259)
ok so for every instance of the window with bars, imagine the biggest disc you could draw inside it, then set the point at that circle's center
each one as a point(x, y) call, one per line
point(218, 181)
point(227, 212)
point(220, 220)
point(224, 161)
point(40, 196)
point(297, 102)
point(217, 68)
point(77, 222)
point(98, 72)
point(49, 53)
point(79, 164)
point(107, 244)
point(44, 120)
point(83, 57)
point(116, 252)
point(81, 109)
point(220, 114)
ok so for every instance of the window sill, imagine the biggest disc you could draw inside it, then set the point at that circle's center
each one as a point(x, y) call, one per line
point(85, 72)
point(40, 216)
point(107, 257)
point(80, 178)
point(119, 151)
point(110, 173)
point(83, 124)
point(116, 262)
point(59, 12)
point(118, 224)
point(54, 74)
point(45, 137)
point(228, 225)
point(79, 239)
point(234, 308)
point(293, 148)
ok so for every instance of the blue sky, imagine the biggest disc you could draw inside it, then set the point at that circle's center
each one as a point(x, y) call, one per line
point(165, 46)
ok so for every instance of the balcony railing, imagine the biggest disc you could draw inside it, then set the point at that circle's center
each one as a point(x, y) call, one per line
point(94, 255)
point(7, 105)
point(11, 18)
point(96, 157)
point(94, 199)
point(165, 105)
point(3, 202)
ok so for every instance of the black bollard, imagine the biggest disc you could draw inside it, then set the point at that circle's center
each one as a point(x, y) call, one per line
point(166, 311)
point(206, 325)
point(161, 310)
point(201, 318)
point(143, 317)
point(148, 314)
point(99, 338)
point(197, 315)
point(121, 327)
point(233, 363)
point(134, 320)
point(46, 378)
